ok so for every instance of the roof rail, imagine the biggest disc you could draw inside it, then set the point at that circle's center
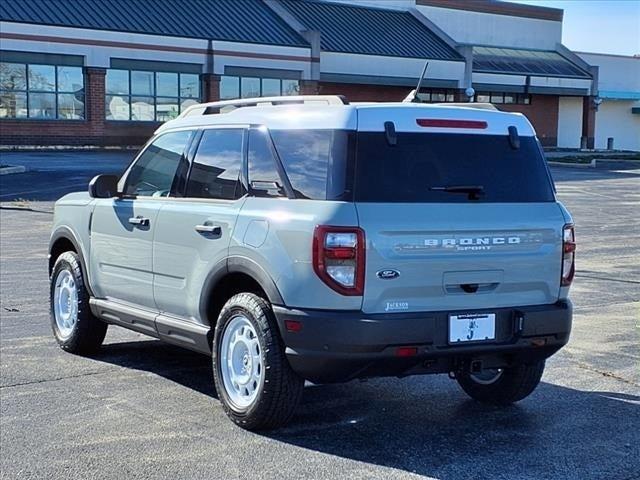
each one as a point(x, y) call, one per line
point(207, 108)
point(476, 105)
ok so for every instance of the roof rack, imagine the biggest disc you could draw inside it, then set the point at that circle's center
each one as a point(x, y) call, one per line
point(214, 107)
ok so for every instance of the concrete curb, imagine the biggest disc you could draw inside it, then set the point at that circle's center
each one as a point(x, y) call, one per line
point(12, 170)
point(592, 164)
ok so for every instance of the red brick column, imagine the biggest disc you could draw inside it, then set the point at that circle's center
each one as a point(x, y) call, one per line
point(309, 87)
point(210, 87)
point(589, 121)
point(94, 90)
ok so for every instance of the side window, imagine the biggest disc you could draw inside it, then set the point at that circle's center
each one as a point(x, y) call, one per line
point(215, 172)
point(263, 173)
point(317, 162)
point(161, 164)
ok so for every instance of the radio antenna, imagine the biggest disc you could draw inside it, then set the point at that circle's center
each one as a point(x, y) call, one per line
point(413, 96)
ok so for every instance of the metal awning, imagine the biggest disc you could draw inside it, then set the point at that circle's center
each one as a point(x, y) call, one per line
point(512, 61)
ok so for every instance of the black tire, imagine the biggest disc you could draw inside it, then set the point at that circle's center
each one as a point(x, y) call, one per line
point(88, 332)
point(281, 389)
point(513, 384)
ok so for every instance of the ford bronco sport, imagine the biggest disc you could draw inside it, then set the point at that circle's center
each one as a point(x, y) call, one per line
point(304, 238)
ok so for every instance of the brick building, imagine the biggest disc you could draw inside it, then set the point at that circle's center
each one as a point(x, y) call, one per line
point(107, 72)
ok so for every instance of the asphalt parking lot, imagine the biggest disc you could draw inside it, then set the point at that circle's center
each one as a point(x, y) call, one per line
point(141, 409)
point(50, 175)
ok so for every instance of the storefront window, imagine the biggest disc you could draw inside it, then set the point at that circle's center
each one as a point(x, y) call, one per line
point(503, 97)
point(46, 92)
point(142, 83)
point(249, 87)
point(146, 96)
point(232, 87)
point(437, 96)
point(167, 84)
point(497, 98)
point(229, 88)
point(290, 87)
point(42, 78)
point(271, 87)
point(42, 105)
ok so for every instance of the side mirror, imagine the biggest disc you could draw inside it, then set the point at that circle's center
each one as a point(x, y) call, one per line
point(103, 186)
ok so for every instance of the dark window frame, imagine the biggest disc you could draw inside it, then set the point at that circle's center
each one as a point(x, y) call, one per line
point(55, 92)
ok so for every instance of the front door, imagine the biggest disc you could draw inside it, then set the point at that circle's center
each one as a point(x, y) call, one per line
point(122, 229)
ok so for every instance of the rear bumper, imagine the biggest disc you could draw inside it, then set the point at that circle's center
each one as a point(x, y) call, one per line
point(335, 346)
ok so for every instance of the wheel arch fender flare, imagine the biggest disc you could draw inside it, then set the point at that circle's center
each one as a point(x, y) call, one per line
point(65, 233)
point(238, 264)
point(253, 269)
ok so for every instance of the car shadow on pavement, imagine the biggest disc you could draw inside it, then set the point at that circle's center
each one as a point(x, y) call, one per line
point(426, 425)
point(187, 368)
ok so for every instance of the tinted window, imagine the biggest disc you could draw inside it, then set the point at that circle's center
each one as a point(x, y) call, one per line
point(154, 172)
point(263, 173)
point(420, 165)
point(315, 161)
point(216, 168)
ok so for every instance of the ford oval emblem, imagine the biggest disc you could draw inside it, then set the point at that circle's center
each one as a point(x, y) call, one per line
point(388, 274)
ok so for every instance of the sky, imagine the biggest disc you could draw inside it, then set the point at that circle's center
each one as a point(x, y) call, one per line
point(602, 26)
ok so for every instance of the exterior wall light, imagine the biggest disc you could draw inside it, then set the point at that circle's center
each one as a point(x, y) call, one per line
point(470, 92)
point(597, 101)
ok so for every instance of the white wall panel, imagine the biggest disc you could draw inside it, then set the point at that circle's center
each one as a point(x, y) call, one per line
point(354, 64)
point(616, 73)
point(555, 82)
point(99, 46)
point(497, 30)
point(614, 119)
point(499, 79)
point(569, 122)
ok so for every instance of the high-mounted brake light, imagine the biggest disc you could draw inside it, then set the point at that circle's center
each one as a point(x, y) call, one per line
point(338, 258)
point(568, 255)
point(445, 123)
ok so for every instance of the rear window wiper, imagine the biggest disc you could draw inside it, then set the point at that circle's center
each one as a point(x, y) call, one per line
point(474, 191)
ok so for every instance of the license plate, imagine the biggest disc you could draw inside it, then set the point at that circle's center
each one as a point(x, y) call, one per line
point(472, 327)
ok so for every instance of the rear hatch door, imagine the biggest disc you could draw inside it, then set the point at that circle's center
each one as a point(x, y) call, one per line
point(456, 219)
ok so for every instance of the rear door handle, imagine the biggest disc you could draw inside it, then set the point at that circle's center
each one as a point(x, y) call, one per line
point(211, 229)
point(140, 221)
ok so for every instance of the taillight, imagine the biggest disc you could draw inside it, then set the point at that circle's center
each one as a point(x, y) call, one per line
point(568, 255)
point(338, 258)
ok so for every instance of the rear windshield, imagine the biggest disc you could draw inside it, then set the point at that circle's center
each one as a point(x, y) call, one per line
point(449, 168)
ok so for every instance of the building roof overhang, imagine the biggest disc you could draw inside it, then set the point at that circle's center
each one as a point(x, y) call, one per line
point(357, 29)
point(512, 61)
